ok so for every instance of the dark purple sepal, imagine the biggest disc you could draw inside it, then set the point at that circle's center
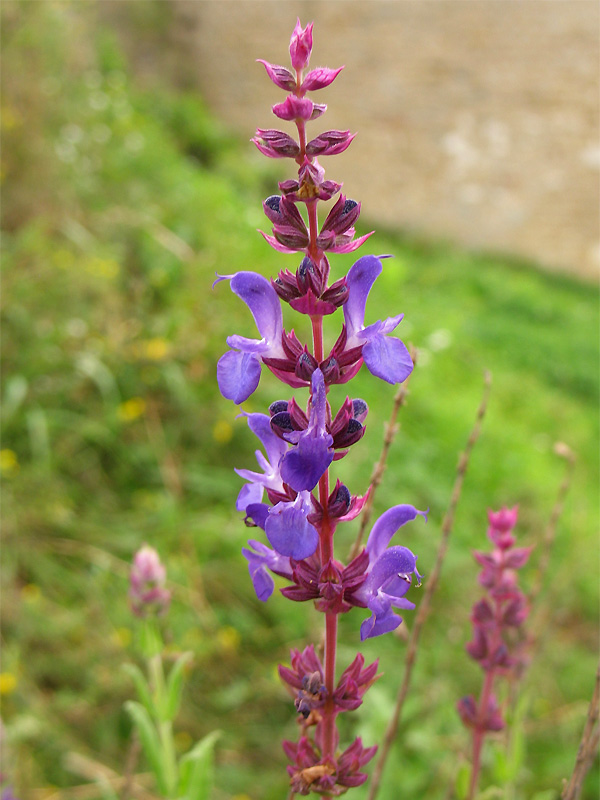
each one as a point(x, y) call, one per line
point(311, 305)
point(275, 144)
point(330, 143)
point(281, 76)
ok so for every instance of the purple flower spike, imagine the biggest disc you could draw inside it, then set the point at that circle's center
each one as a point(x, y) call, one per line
point(303, 465)
point(238, 372)
point(261, 559)
point(288, 529)
point(270, 478)
point(385, 357)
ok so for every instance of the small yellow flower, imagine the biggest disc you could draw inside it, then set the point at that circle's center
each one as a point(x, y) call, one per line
point(8, 682)
point(131, 409)
point(229, 639)
point(156, 349)
point(9, 463)
point(222, 431)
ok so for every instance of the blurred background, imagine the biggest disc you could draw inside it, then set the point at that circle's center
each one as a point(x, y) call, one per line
point(128, 181)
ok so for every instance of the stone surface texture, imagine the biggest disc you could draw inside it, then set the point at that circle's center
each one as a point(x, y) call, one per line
point(477, 120)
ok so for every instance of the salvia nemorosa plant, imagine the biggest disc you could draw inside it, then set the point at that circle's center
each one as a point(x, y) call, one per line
point(291, 498)
point(497, 644)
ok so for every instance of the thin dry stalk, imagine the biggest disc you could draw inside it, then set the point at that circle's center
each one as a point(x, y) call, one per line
point(588, 747)
point(391, 429)
point(169, 468)
point(563, 451)
point(430, 587)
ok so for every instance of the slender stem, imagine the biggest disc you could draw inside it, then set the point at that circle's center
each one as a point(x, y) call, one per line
point(164, 726)
point(317, 329)
point(484, 699)
point(430, 587)
point(588, 747)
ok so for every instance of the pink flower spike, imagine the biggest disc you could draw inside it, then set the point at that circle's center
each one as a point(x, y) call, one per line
point(319, 78)
point(301, 45)
point(281, 76)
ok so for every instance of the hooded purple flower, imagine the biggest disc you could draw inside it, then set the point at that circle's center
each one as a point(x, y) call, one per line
point(238, 371)
point(270, 478)
point(303, 465)
point(261, 559)
point(388, 575)
point(385, 357)
point(289, 531)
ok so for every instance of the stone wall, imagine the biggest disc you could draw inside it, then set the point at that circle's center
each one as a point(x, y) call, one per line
point(477, 119)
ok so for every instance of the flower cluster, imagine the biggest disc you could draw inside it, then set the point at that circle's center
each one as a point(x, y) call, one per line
point(147, 593)
point(288, 496)
point(496, 618)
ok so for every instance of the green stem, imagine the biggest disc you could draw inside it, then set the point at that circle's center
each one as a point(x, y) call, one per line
point(163, 726)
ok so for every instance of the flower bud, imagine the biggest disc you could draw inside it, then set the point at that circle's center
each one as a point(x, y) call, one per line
point(276, 144)
point(301, 45)
point(147, 592)
point(295, 108)
point(281, 76)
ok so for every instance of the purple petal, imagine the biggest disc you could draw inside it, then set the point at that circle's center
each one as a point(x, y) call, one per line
point(250, 493)
point(303, 466)
point(260, 425)
point(378, 625)
point(258, 562)
point(386, 526)
point(394, 561)
point(361, 277)
point(258, 512)
point(387, 358)
point(262, 300)
point(238, 375)
point(288, 530)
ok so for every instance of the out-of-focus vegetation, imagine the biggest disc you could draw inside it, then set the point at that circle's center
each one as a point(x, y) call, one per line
point(119, 206)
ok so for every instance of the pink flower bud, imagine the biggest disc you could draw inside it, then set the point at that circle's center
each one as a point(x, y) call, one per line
point(294, 108)
point(147, 578)
point(301, 45)
point(281, 76)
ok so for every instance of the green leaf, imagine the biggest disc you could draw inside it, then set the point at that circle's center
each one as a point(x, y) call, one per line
point(461, 784)
point(174, 686)
point(196, 769)
point(149, 740)
point(141, 686)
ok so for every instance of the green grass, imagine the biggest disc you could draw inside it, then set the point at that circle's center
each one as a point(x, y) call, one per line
point(119, 207)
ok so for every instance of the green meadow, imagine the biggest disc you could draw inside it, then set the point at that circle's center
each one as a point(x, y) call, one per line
point(120, 203)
